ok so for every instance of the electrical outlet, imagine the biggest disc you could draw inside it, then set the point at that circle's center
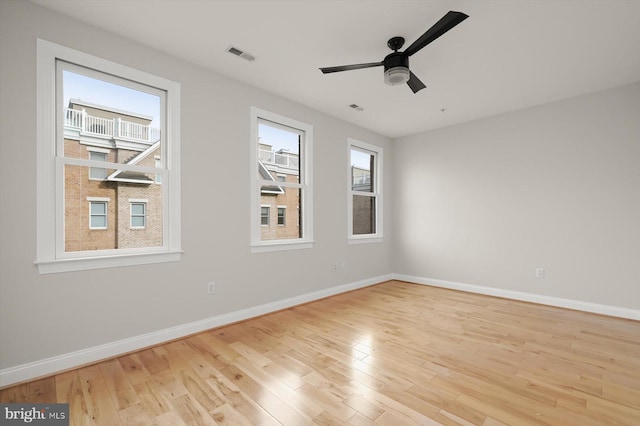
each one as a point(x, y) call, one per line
point(211, 287)
point(539, 272)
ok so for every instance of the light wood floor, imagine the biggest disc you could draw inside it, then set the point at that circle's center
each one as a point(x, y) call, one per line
point(391, 354)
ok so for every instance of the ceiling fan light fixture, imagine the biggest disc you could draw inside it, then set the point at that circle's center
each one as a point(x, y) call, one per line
point(396, 75)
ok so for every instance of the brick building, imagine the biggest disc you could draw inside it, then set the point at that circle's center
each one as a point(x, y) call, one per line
point(107, 208)
point(279, 206)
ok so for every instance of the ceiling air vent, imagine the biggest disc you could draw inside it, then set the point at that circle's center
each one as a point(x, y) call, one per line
point(241, 53)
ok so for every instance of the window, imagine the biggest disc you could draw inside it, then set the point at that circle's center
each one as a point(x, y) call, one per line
point(281, 176)
point(98, 214)
point(127, 120)
point(282, 214)
point(158, 165)
point(138, 211)
point(97, 173)
point(365, 192)
point(264, 215)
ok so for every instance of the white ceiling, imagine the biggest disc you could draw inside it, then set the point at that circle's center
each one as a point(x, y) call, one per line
point(507, 55)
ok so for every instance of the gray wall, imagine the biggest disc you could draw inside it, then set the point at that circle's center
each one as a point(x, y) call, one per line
point(483, 203)
point(47, 315)
point(555, 186)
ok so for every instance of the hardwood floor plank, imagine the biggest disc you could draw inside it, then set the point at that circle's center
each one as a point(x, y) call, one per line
point(364, 407)
point(134, 415)
point(42, 391)
point(191, 412)
point(391, 354)
point(16, 394)
point(100, 409)
point(69, 390)
point(121, 391)
point(276, 407)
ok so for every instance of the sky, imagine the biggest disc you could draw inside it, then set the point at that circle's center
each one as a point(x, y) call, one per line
point(100, 92)
point(278, 138)
point(360, 159)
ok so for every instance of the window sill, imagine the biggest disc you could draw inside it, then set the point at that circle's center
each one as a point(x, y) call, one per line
point(364, 240)
point(99, 262)
point(281, 246)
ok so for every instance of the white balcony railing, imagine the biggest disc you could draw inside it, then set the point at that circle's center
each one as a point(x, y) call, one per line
point(287, 160)
point(362, 180)
point(113, 128)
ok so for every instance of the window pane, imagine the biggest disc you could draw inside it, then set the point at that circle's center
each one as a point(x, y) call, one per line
point(264, 216)
point(288, 217)
point(137, 221)
point(81, 214)
point(98, 208)
point(137, 209)
point(98, 113)
point(279, 151)
point(158, 164)
point(281, 215)
point(96, 172)
point(362, 165)
point(364, 215)
point(98, 221)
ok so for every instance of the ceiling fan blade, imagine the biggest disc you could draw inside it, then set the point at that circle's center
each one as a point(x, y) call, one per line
point(328, 70)
point(448, 21)
point(414, 83)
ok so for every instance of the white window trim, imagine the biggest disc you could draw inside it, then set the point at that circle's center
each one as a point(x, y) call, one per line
point(101, 150)
point(138, 201)
point(157, 159)
point(306, 159)
point(106, 158)
point(106, 213)
point(378, 236)
point(50, 256)
point(278, 216)
point(262, 206)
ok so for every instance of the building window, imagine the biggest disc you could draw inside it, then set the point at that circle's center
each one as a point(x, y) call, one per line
point(281, 150)
point(365, 192)
point(98, 214)
point(264, 215)
point(138, 213)
point(158, 164)
point(97, 173)
point(126, 119)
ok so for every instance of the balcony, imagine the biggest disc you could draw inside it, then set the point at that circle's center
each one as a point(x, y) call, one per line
point(116, 128)
point(282, 159)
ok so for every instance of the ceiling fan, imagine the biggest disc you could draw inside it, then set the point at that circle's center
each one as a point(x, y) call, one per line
point(396, 64)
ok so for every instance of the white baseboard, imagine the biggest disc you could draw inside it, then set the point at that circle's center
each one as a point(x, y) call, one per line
point(45, 367)
point(578, 305)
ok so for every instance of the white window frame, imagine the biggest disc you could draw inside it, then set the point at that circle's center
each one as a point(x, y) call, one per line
point(133, 201)
point(50, 252)
point(93, 150)
point(100, 200)
point(305, 183)
point(377, 151)
point(268, 207)
point(157, 161)
point(284, 216)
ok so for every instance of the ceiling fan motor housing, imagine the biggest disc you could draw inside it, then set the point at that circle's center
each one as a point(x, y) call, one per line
point(396, 68)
